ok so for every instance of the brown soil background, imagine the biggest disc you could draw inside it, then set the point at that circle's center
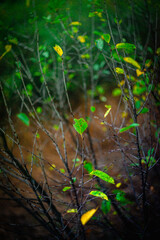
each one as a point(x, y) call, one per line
point(14, 220)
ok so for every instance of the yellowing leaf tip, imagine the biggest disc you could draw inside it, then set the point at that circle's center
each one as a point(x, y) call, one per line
point(99, 194)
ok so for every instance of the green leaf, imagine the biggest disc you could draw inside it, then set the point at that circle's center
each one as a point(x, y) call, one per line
point(45, 54)
point(65, 189)
point(37, 135)
point(132, 61)
point(85, 56)
point(88, 166)
point(23, 117)
point(29, 87)
point(107, 37)
point(106, 206)
point(93, 109)
point(13, 40)
point(39, 110)
point(119, 70)
point(37, 74)
point(56, 127)
point(128, 127)
point(138, 104)
point(48, 18)
point(73, 179)
point(80, 125)
point(100, 90)
point(99, 44)
point(120, 197)
point(145, 110)
point(108, 106)
point(103, 176)
point(91, 14)
point(138, 90)
point(116, 92)
point(96, 67)
point(117, 22)
point(116, 56)
point(76, 160)
point(151, 161)
point(98, 33)
point(126, 46)
point(73, 210)
point(18, 63)
point(99, 194)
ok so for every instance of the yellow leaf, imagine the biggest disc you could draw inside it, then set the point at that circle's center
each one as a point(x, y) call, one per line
point(58, 49)
point(52, 167)
point(119, 70)
point(73, 210)
point(108, 110)
point(132, 61)
point(121, 83)
point(75, 23)
point(143, 98)
point(99, 14)
point(87, 216)
point(87, 56)
point(81, 39)
point(118, 185)
point(124, 114)
point(8, 48)
point(139, 73)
